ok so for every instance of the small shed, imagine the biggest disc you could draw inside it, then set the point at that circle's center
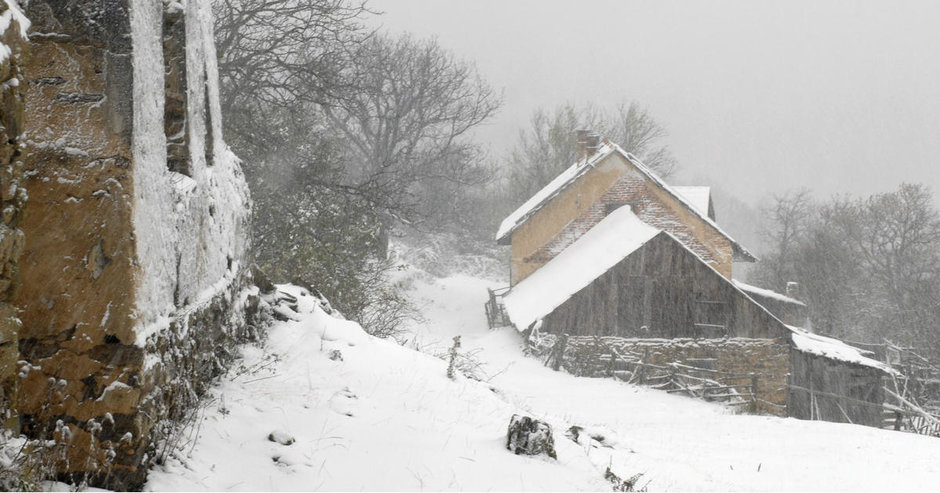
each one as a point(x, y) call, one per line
point(833, 381)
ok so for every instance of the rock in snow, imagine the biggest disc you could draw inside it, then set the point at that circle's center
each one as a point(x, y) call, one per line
point(530, 437)
point(282, 437)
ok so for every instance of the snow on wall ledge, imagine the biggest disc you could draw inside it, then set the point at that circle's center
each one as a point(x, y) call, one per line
point(191, 230)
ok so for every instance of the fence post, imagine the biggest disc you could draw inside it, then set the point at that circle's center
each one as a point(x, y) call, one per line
point(558, 352)
point(491, 309)
point(753, 393)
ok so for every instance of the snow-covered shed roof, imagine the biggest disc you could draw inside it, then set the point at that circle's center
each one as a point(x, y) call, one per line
point(594, 253)
point(518, 217)
point(747, 288)
point(834, 349)
point(699, 197)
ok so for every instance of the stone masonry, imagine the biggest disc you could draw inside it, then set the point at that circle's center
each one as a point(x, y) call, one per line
point(767, 360)
point(115, 341)
point(12, 204)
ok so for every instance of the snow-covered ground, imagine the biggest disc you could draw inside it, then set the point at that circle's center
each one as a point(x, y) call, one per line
point(386, 417)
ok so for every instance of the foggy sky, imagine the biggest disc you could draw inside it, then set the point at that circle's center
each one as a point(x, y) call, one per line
point(758, 97)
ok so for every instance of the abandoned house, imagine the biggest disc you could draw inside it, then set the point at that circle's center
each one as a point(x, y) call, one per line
point(610, 257)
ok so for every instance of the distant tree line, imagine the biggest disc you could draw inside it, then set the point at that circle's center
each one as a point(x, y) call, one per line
point(869, 268)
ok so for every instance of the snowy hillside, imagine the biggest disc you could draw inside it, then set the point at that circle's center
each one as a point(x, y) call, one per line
point(385, 417)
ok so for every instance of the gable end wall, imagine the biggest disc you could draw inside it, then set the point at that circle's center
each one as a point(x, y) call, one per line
point(586, 202)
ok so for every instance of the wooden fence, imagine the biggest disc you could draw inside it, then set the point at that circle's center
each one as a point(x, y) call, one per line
point(495, 311)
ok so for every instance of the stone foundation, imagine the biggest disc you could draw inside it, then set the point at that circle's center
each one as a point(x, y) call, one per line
point(764, 362)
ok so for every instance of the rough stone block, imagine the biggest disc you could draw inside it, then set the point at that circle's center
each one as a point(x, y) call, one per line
point(530, 437)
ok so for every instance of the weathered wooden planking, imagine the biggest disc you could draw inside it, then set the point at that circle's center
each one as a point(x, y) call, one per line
point(662, 290)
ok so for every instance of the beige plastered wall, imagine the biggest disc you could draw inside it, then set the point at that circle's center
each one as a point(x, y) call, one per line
point(576, 201)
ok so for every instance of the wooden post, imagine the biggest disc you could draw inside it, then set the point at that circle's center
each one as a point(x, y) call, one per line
point(754, 405)
point(558, 352)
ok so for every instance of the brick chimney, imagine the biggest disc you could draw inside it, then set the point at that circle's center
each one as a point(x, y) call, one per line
point(588, 143)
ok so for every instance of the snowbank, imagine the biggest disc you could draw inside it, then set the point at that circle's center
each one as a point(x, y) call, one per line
point(359, 413)
point(594, 253)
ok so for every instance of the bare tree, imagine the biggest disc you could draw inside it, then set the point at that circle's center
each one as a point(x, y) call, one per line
point(549, 145)
point(790, 217)
point(278, 51)
point(405, 121)
point(868, 269)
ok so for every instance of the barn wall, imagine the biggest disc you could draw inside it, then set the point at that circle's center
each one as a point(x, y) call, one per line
point(862, 386)
point(766, 359)
point(662, 290)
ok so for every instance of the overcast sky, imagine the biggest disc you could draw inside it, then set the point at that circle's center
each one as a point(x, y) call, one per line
point(759, 97)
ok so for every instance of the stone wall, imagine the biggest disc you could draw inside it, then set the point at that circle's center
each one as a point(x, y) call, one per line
point(739, 359)
point(78, 267)
point(13, 54)
point(134, 272)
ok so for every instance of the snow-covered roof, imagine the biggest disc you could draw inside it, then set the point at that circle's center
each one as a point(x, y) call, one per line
point(578, 169)
point(834, 349)
point(594, 253)
point(766, 293)
point(698, 196)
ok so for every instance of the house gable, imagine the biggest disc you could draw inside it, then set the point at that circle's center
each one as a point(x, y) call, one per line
point(559, 218)
point(569, 207)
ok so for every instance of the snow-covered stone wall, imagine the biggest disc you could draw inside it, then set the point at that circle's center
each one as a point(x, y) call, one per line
point(191, 229)
point(13, 44)
point(137, 241)
point(758, 365)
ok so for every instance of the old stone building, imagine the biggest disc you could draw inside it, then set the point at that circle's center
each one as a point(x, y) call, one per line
point(611, 259)
point(137, 228)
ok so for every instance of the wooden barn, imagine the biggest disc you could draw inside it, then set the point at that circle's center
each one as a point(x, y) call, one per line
point(608, 250)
